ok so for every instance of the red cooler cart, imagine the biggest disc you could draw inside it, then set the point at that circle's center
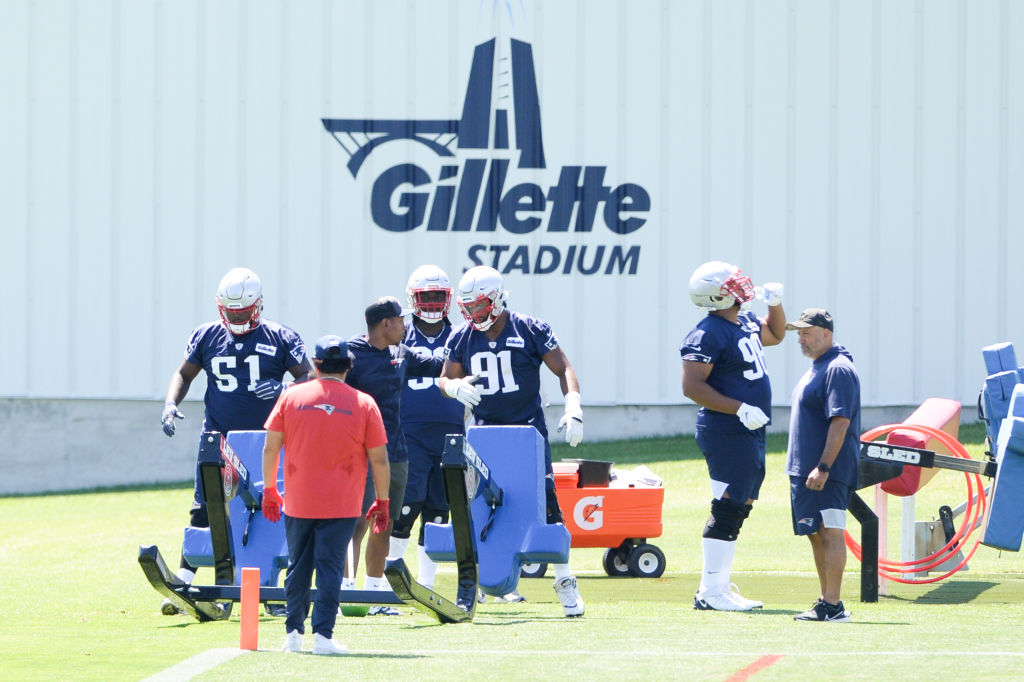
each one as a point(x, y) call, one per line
point(619, 515)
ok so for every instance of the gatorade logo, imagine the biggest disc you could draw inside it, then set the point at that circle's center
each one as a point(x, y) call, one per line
point(587, 513)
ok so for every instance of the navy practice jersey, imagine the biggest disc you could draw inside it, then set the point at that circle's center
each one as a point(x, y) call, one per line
point(422, 400)
point(382, 373)
point(830, 388)
point(739, 370)
point(508, 367)
point(235, 364)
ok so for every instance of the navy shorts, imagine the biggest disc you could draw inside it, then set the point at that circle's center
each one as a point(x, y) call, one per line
point(811, 508)
point(735, 459)
point(425, 444)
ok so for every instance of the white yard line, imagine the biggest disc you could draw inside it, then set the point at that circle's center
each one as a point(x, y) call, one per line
point(196, 665)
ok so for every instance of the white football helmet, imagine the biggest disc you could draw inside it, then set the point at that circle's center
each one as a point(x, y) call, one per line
point(717, 286)
point(240, 300)
point(429, 292)
point(482, 297)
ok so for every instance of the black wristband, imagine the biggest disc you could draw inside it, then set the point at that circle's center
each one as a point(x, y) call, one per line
point(824, 467)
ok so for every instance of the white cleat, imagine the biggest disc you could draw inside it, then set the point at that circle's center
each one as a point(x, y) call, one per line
point(327, 647)
point(292, 642)
point(569, 595)
point(717, 598)
point(743, 601)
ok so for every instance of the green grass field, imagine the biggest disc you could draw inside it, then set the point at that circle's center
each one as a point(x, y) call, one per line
point(75, 605)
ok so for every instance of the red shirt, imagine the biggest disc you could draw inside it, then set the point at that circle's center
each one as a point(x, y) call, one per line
point(328, 426)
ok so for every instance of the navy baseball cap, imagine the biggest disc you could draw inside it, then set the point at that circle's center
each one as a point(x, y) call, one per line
point(383, 308)
point(812, 317)
point(331, 347)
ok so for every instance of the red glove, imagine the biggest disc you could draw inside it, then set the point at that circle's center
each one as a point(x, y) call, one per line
point(271, 504)
point(379, 514)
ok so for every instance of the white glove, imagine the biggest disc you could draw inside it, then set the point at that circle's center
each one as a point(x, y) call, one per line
point(752, 417)
point(463, 390)
point(268, 389)
point(171, 412)
point(572, 420)
point(772, 293)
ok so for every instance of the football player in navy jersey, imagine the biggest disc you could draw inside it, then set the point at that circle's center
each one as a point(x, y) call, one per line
point(724, 372)
point(503, 351)
point(427, 416)
point(245, 359)
point(382, 363)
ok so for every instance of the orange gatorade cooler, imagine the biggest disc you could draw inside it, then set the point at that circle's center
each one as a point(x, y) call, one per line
point(600, 513)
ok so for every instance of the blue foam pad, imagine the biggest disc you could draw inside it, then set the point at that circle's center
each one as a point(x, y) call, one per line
point(996, 397)
point(1004, 522)
point(519, 533)
point(999, 357)
point(266, 547)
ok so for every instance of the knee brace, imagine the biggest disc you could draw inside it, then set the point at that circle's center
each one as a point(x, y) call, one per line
point(403, 524)
point(432, 516)
point(725, 520)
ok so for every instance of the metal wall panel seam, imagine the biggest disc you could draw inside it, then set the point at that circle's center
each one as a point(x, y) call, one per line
point(961, 199)
point(1003, 285)
point(160, 237)
point(667, 283)
point(619, 387)
point(748, 134)
point(242, 158)
point(918, 226)
point(705, 152)
point(116, 249)
point(872, 373)
point(31, 308)
point(74, 206)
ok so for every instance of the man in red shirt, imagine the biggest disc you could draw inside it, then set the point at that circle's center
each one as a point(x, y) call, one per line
point(330, 431)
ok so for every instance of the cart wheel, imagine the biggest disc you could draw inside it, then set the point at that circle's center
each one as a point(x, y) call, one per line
point(616, 560)
point(533, 570)
point(646, 561)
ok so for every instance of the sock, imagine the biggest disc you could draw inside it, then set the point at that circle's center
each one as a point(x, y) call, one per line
point(348, 583)
point(186, 575)
point(561, 571)
point(397, 547)
point(717, 562)
point(371, 583)
point(428, 567)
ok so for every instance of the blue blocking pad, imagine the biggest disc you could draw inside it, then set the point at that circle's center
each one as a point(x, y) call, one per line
point(519, 532)
point(265, 547)
point(999, 357)
point(1004, 523)
point(996, 395)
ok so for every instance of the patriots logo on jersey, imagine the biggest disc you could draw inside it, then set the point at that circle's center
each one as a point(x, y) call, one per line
point(299, 352)
point(515, 342)
point(329, 409)
point(805, 522)
point(551, 343)
point(266, 349)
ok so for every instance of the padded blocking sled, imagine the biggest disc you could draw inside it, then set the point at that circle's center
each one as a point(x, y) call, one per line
point(256, 541)
point(938, 413)
point(518, 531)
point(1004, 522)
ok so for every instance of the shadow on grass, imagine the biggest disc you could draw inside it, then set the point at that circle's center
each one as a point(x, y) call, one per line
point(959, 592)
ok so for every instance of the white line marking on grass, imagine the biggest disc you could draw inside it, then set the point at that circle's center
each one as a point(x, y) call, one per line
point(196, 665)
point(675, 653)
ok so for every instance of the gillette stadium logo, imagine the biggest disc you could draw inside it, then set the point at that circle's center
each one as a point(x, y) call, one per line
point(476, 185)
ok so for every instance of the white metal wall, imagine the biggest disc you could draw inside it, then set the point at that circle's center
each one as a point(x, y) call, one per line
point(867, 154)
